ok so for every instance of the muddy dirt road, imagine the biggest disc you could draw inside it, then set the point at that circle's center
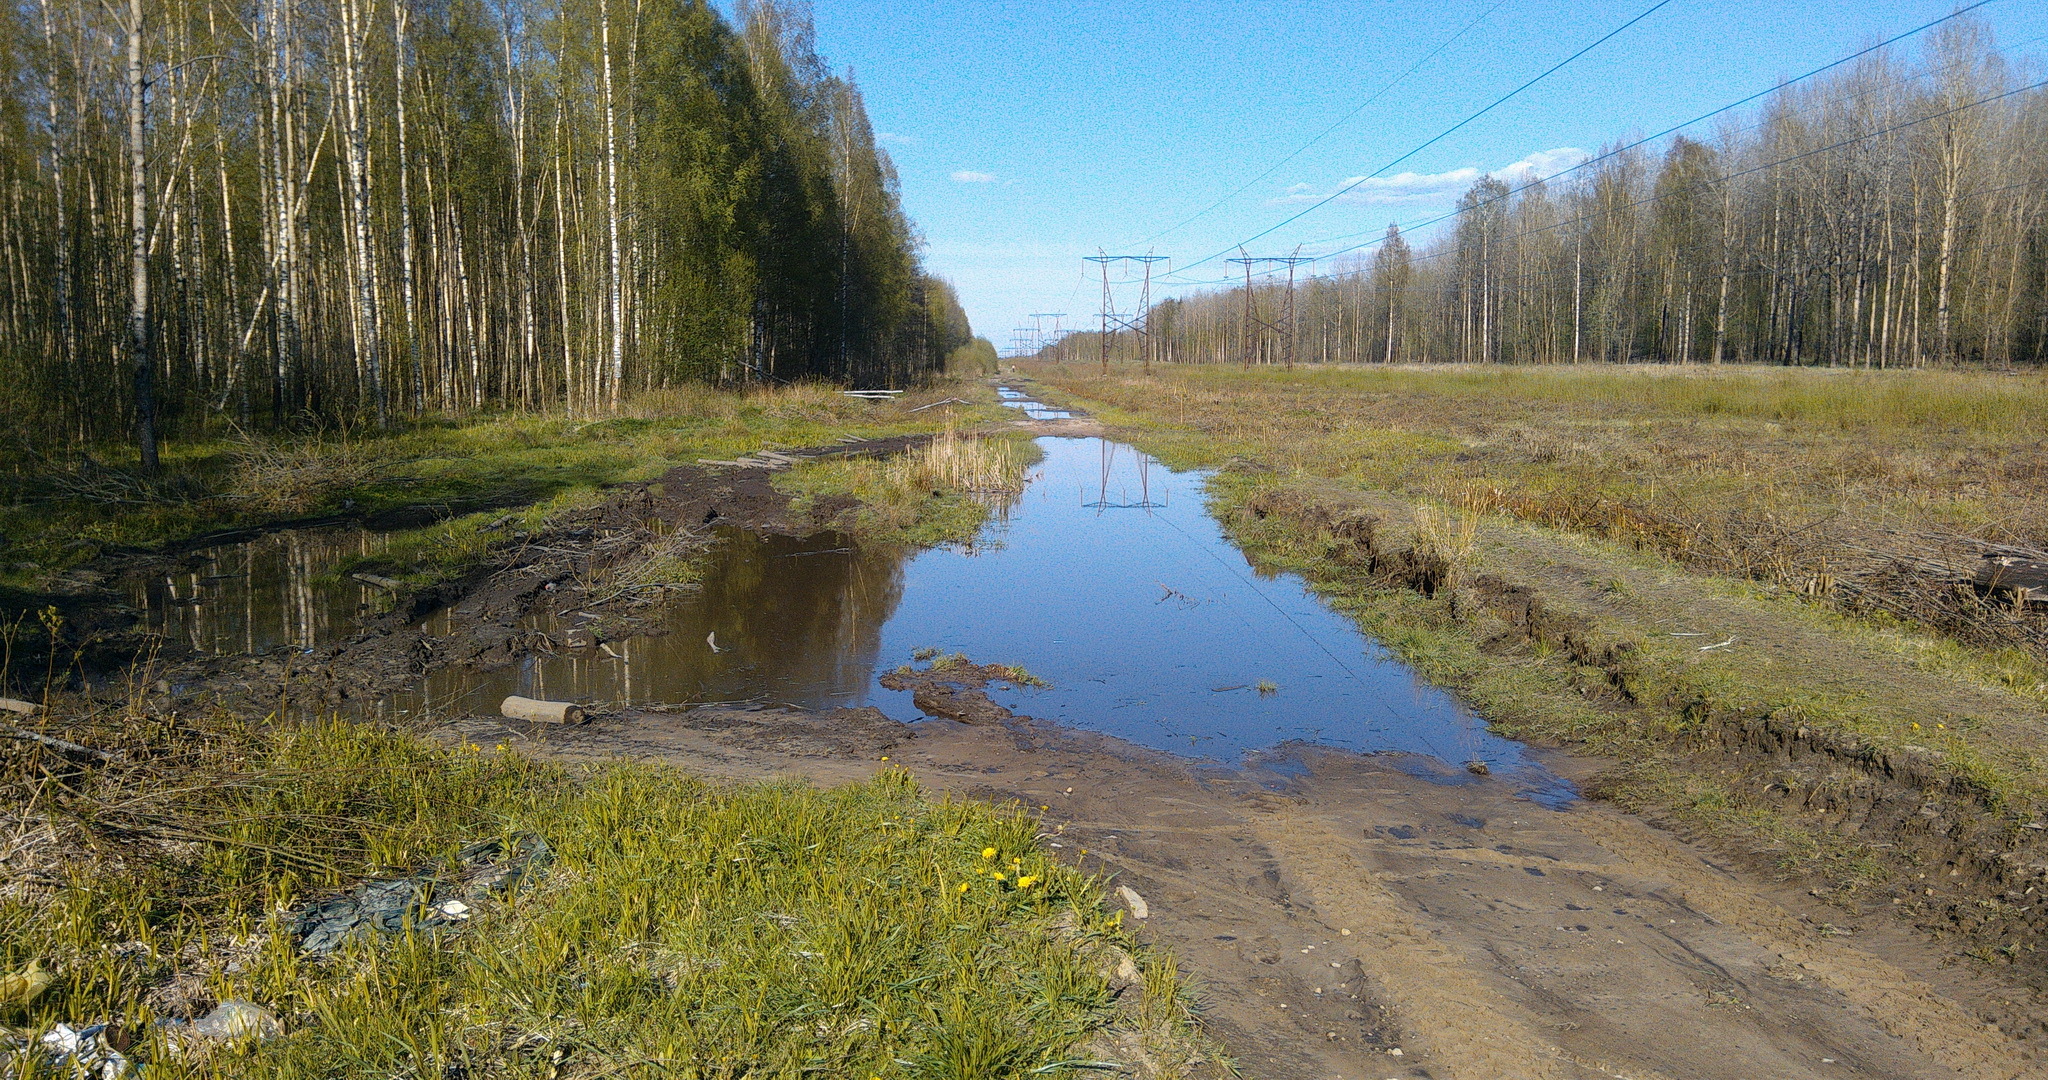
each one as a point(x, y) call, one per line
point(1351, 915)
point(1371, 917)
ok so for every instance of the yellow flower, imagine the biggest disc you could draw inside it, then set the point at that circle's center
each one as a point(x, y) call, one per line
point(1027, 881)
point(1916, 725)
point(999, 876)
point(963, 886)
point(988, 853)
point(1016, 860)
point(885, 757)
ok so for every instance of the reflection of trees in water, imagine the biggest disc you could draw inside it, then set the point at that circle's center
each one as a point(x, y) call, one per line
point(798, 617)
point(795, 620)
point(254, 596)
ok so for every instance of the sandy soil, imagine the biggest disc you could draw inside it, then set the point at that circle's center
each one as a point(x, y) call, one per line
point(1375, 917)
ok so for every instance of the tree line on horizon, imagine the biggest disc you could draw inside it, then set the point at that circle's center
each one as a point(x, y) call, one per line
point(1892, 214)
point(316, 211)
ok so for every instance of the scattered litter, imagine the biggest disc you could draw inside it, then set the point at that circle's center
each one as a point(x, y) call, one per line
point(25, 708)
point(946, 401)
point(1717, 645)
point(872, 395)
point(85, 1051)
point(1139, 909)
point(606, 648)
point(396, 905)
point(228, 1020)
point(19, 990)
point(1478, 768)
point(1228, 689)
point(379, 581)
point(711, 639)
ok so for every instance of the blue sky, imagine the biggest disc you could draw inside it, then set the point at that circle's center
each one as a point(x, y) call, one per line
point(1029, 136)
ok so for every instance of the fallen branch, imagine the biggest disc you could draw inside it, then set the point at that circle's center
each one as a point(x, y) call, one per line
point(60, 745)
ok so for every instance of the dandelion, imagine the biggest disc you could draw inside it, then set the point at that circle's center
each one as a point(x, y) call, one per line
point(885, 757)
point(963, 886)
point(1027, 881)
point(998, 875)
point(988, 853)
point(1916, 725)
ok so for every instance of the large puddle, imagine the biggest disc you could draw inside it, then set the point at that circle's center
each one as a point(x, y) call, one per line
point(1106, 578)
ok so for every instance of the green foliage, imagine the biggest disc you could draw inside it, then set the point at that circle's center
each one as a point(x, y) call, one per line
point(976, 358)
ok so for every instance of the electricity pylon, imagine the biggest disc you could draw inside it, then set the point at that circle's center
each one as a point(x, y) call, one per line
point(1138, 323)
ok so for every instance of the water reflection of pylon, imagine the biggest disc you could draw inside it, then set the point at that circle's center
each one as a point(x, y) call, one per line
point(1144, 484)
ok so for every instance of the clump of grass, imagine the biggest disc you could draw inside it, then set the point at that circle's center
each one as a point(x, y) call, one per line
point(1267, 687)
point(290, 478)
point(938, 493)
point(1017, 676)
point(956, 463)
point(681, 929)
point(1447, 541)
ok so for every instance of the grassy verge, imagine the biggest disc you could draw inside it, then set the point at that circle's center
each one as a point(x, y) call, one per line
point(678, 929)
point(1872, 490)
point(1583, 629)
point(55, 517)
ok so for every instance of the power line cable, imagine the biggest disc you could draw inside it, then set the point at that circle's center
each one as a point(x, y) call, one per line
point(1678, 127)
point(1345, 119)
point(1894, 129)
point(1896, 38)
point(1438, 137)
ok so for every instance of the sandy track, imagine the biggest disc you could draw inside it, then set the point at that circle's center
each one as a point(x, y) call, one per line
point(1489, 937)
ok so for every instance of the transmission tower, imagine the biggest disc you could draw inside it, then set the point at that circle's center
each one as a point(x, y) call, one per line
point(1038, 328)
point(1140, 322)
point(1283, 327)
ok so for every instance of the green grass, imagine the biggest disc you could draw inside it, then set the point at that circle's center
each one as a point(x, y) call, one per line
point(681, 929)
point(465, 474)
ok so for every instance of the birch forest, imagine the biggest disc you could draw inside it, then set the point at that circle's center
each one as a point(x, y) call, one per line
point(1891, 214)
point(286, 212)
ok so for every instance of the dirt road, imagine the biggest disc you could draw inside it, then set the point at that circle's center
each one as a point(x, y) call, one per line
point(1374, 917)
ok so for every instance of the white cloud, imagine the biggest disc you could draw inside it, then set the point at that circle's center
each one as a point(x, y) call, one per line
point(1542, 163)
point(1413, 187)
point(969, 176)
